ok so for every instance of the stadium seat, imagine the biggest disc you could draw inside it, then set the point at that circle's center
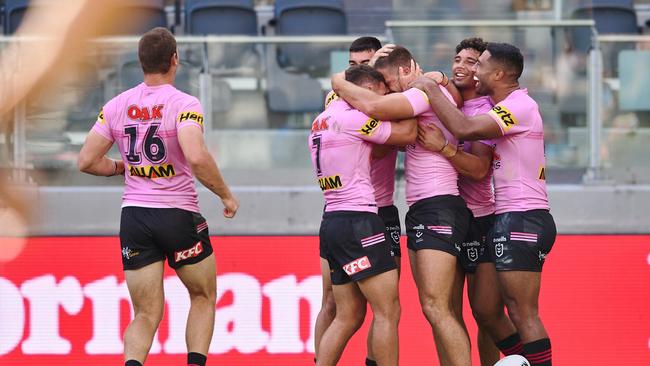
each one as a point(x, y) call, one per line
point(139, 16)
point(633, 73)
point(14, 10)
point(308, 17)
point(611, 17)
point(223, 17)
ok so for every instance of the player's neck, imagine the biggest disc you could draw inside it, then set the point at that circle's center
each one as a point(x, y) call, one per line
point(469, 93)
point(158, 79)
point(503, 91)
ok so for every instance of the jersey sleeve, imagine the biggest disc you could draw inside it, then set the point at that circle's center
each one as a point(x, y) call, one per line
point(368, 128)
point(190, 114)
point(331, 96)
point(513, 115)
point(419, 101)
point(103, 124)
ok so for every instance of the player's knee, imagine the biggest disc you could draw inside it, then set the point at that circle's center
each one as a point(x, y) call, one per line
point(152, 315)
point(352, 318)
point(435, 310)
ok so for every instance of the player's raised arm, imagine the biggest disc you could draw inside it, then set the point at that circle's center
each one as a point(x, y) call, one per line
point(205, 168)
point(462, 127)
point(384, 107)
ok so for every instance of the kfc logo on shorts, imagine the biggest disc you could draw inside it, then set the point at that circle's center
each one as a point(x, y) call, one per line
point(188, 253)
point(472, 254)
point(498, 249)
point(357, 266)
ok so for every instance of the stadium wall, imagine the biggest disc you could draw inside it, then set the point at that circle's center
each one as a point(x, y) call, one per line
point(296, 210)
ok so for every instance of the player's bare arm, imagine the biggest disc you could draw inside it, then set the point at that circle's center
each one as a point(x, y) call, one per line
point(462, 127)
point(443, 80)
point(205, 168)
point(474, 165)
point(382, 107)
point(93, 160)
point(403, 133)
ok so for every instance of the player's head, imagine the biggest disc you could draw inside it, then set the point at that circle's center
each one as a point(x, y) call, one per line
point(362, 50)
point(157, 51)
point(500, 64)
point(389, 66)
point(366, 77)
point(467, 54)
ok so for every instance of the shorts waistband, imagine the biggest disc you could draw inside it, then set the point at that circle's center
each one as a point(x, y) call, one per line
point(333, 214)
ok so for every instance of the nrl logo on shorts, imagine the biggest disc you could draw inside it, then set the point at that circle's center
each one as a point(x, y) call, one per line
point(498, 249)
point(395, 236)
point(472, 254)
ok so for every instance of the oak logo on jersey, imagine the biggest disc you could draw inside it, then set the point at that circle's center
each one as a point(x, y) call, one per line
point(100, 118)
point(152, 171)
point(505, 116)
point(542, 173)
point(187, 116)
point(332, 182)
point(370, 126)
point(320, 125)
point(145, 113)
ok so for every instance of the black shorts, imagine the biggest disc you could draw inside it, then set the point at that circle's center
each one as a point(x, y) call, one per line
point(390, 216)
point(148, 235)
point(520, 241)
point(474, 249)
point(355, 245)
point(438, 223)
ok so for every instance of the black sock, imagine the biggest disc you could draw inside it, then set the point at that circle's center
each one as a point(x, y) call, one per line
point(370, 362)
point(196, 359)
point(538, 352)
point(132, 363)
point(511, 345)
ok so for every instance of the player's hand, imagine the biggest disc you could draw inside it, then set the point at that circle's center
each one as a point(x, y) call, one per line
point(336, 79)
point(120, 168)
point(437, 76)
point(422, 83)
point(230, 206)
point(382, 52)
point(431, 138)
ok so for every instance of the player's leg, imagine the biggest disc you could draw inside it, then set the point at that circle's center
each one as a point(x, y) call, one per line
point(381, 291)
point(186, 240)
point(488, 310)
point(521, 242)
point(350, 313)
point(457, 294)
point(328, 306)
point(146, 290)
point(200, 279)
point(435, 278)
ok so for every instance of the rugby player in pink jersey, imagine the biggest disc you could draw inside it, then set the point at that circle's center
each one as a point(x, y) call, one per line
point(524, 231)
point(437, 220)
point(382, 174)
point(474, 163)
point(159, 133)
point(352, 235)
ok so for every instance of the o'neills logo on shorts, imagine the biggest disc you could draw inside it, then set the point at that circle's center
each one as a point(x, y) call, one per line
point(357, 265)
point(189, 253)
point(152, 171)
point(327, 183)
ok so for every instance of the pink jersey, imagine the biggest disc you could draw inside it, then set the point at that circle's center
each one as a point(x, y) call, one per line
point(144, 121)
point(382, 173)
point(340, 142)
point(478, 195)
point(428, 174)
point(519, 162)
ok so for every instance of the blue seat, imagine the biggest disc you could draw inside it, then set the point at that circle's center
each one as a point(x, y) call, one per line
point(635, 80)
point(223, 17)
point(14, 10)
point(308, 17)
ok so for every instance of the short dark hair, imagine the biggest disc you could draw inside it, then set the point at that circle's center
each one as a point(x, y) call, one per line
point(362, 44)
point(360, 74)
point(508, 56)
point(155, 51)
point(400, 56)
point(474, 43)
